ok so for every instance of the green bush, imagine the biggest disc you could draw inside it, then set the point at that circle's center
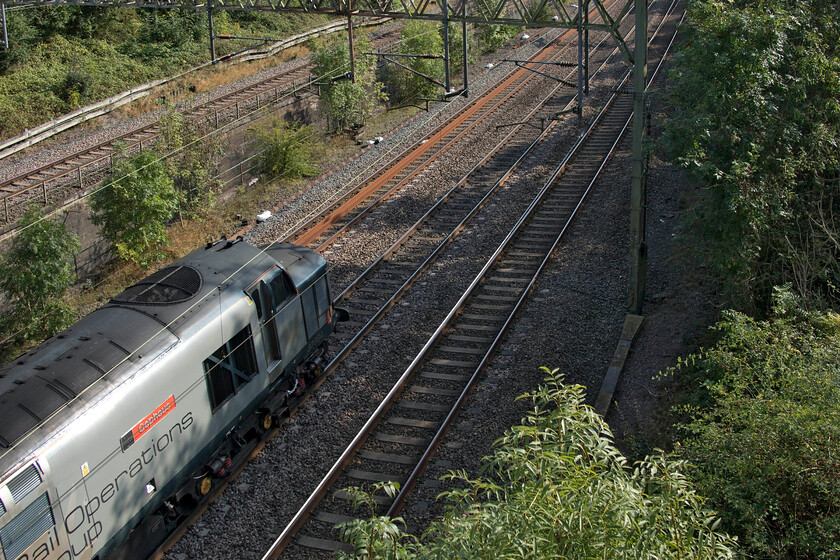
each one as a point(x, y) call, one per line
point(556, 487)
point(418, 38)
point(35, 93)
point(76, 86)
point(192, 160)
point(763, 431)
point(757, 121)
point(348, 104)
point(173, 28)
point(34, 274)
point(287, 149)
point(491, 37)
point(134, 207)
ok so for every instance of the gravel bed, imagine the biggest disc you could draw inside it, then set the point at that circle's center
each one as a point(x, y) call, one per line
point(332, 185)
point(574, 318)
point(369, 373)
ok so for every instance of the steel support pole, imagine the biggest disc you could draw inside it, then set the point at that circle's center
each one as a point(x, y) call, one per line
point(581, 9)
point(446, 81)
point(210, 27)
point(638, 246)
point(5, 31)
point(466, 77)
point(586, 47)
point(352, 52)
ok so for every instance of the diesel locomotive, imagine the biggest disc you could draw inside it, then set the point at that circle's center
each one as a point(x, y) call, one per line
point(115, 429)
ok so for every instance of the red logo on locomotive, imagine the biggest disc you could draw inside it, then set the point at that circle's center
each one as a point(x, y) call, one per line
point(156, 416)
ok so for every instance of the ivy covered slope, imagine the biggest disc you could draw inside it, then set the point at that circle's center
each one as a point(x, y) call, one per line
point(757, 87)
point(61, 58)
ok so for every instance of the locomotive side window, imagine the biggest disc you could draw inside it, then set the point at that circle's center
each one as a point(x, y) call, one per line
point(230, 367)
point(23, 530)
point(322, 297)
point(270, 296)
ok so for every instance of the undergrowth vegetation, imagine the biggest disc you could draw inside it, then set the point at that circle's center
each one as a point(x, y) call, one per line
point(555, 487)
point(348, 89)
point(61, 58)
point(417, 78)
point(757, 121)
point(762, 428)
point(36, 308)
point(757, 125)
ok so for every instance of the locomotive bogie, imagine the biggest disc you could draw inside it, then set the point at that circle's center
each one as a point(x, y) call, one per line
point(169, 387)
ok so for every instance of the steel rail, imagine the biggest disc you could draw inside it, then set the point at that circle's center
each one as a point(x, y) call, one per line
point(412, 480)
point(448, 238)
point(394, 297)
point(310, 231)
point(284, 540)
point(418, 471)
point(323, 244)
point(456, 188)
point(294, 406)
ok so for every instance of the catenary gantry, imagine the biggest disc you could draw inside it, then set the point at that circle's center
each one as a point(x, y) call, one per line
point(544, 13)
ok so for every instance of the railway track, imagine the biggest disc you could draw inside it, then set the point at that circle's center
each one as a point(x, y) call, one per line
point(381, 285)
point(404, 432)
point(295, 402)
point(73, 175)
point(390, 288)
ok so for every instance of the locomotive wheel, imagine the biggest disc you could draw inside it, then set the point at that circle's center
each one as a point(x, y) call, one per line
point(267, 421)
point(205, 485)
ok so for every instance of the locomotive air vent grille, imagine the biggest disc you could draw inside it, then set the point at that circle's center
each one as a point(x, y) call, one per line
point(23, 530)
point(173, 284)
point(24, 483)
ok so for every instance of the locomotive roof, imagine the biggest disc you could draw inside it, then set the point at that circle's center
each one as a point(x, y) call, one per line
point(44, 389)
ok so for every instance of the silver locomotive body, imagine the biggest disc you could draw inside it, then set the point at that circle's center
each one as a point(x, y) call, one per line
point(121, 423)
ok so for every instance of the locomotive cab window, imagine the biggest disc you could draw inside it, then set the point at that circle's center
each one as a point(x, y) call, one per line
point(255, 297)
point(230, 367)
